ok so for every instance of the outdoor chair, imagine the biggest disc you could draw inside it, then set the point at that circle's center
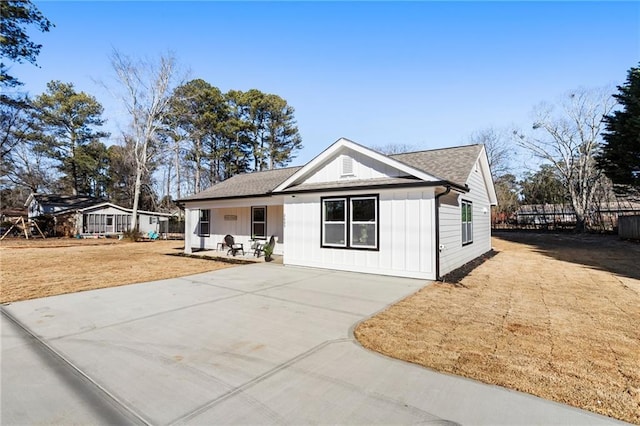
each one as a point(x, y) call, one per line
point(233, 246)
point(260, 247)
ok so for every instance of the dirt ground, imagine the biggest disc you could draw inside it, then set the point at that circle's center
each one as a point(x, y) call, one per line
point(37, 268)
point(557, 316)
point(553, 315)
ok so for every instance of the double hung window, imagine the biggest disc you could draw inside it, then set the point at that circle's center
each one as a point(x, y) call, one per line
point(259, 222)
point(467, 222)
point(203, 225)
point(350, 222)
point(334, 222)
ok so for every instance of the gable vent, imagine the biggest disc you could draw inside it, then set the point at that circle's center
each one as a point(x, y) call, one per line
point(347, 166)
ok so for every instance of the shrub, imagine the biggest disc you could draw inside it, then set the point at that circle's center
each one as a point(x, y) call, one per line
point(268, 251)
point(131, 235)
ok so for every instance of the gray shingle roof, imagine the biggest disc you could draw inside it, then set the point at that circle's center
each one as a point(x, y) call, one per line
point(450, 164)
point(353, 183)
point(246, 185)
point(66, 201)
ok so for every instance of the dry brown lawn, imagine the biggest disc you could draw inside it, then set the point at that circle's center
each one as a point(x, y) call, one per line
point(557, 316)
point(37, 268)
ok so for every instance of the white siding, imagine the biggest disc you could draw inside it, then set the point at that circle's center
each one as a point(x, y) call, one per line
point(143, 219)
point(363, 168)
point(225, 218)
point(405, 241)
point(453, 253)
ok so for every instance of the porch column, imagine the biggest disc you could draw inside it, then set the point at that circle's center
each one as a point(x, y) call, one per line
point(187, 230)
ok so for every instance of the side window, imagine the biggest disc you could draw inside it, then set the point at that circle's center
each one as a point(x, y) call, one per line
point(364, 222)
point(467, 222)
point(259, 222)
point(203, 228)
point(334, 222)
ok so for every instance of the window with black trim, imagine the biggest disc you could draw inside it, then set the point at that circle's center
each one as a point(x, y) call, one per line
point(467, 222)
point(203, 224)
point(259, 222)
point(334, 222)
point(350, 222)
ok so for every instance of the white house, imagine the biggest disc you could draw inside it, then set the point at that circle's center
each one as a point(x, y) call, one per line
point(79, 214)
point(420, 214)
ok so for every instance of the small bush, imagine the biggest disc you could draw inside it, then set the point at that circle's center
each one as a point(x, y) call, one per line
point(132, 235)
point(268, 251)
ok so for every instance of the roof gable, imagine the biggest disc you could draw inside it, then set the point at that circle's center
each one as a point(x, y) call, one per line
point(106, 204)
point(385, 166)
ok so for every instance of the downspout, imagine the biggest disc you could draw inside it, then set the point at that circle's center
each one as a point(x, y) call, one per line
point(437, 217)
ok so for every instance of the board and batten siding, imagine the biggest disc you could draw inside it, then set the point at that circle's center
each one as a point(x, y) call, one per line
point(452, 253)
point(406, 238)
point(224, 218)
point(363, 167)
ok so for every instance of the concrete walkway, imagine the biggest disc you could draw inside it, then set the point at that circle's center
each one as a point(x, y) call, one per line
point(255, 344)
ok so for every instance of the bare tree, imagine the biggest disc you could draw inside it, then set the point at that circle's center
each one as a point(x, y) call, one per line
point(499, 148)
point(568, 136)
point(146, 89)
point(394, 148)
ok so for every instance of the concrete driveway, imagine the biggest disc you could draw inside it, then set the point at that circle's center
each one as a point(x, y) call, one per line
point(256, 344)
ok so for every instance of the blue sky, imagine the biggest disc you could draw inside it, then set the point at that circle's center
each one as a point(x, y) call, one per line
point(426, 74)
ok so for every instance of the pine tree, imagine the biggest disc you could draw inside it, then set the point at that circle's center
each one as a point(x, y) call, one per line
point(620, 157)
point(66, 122)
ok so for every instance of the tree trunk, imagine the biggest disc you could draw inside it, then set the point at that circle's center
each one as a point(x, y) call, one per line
point(136, 197)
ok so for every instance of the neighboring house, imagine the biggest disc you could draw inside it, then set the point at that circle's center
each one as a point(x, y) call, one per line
point(77, 215)
point(419, 215)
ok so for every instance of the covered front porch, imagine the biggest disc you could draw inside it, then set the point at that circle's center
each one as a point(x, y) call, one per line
point(250, 221)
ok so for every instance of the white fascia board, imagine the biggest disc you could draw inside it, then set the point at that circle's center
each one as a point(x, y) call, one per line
point(341, 143)
point(124, 209)
point(30, 198)
point(486, 176)
point(101, 205)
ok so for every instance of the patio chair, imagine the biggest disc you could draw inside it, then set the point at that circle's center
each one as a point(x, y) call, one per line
point(260, 247)
point(233, 246)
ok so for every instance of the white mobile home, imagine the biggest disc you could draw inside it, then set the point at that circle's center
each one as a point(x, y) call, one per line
point(82, 215)
point(420, 214)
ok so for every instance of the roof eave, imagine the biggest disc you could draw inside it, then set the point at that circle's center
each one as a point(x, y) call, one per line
point(462, 188)
point(230, 197)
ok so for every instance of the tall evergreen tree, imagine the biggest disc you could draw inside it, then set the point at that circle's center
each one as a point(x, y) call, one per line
point(236, 128)
point(93, 169)
point(66, 122)
point(256, 117)
point(284, 138)
point(15, 44)
point(198, 111)
point(620, 156)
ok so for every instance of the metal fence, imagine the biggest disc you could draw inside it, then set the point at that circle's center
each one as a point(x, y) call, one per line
point(602, 218)
point(629, 227)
